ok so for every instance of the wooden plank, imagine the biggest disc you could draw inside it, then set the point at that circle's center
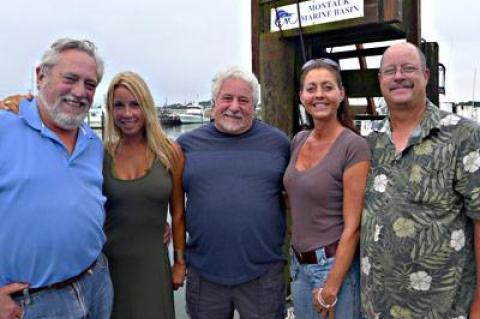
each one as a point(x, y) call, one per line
point(356, 53)
point(277, 76)
point(255, 21)
point(361, 83)
point(361, 34)
point(430, 49)
point(363, 66)
point(392, 10)
point(411, 15)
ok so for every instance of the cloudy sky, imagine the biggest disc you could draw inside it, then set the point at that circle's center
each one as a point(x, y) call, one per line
point(178, 45)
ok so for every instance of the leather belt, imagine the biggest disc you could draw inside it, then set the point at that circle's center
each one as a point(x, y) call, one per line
point(310, 257)
point(59, 285)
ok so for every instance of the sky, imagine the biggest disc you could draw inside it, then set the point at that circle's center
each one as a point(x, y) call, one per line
point(455, 25)
point(177, 46)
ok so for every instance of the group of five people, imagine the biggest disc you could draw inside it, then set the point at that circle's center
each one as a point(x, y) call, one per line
point(418, 175)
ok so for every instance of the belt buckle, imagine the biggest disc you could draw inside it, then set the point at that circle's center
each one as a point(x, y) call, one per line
point(301, 259)
point(298, 255)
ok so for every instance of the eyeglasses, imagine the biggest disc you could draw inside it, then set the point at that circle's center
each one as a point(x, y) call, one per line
point(320, 62)
point(404, 70)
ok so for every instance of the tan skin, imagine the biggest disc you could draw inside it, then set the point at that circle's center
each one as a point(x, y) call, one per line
point(321, 96)
point(9, 308)
point(404, 94)
point(406, 109)
point(133, 160)
point(75, 74)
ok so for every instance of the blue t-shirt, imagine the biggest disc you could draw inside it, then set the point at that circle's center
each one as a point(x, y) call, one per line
point(51, 211)
point(234, 213)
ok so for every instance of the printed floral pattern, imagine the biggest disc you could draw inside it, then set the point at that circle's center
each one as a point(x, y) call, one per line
point(404, 227)
point(413, 236)
point(472, 162)
point(380, 183)
point(365, 265)
point(450, 119)
point(398, 312)
point(420, 281)
point(457, 241)
point(378, 229)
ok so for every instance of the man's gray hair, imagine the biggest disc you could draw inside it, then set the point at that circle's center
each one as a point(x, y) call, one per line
point(237, 73)
point(51, 57)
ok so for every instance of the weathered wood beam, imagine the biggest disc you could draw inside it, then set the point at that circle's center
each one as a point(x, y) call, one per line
point(255, 12)
point(277, 71)
point(361, 83)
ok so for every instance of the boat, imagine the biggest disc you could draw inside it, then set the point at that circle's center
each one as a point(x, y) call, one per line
point(194, 114)
point(94, 117)
point(167, 116)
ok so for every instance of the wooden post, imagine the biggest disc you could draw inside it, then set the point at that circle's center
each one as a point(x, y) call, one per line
point(277, 71)
point(430, 49)
point(255, 36)
point(414, 31)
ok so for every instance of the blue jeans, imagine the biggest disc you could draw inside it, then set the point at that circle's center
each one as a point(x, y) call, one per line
point(306, 277)
point(90, 297)
point(260, 298)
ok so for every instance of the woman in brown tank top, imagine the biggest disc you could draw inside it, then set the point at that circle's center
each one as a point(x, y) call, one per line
point(325, 183)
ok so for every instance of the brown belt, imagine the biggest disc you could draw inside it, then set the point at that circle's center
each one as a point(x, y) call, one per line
point(310, 257)
point(60, 285)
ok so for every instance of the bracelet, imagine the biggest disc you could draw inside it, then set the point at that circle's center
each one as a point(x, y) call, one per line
point(322, 302)
point(179, 255)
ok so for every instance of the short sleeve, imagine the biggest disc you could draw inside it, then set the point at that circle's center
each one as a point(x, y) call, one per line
point(357, 150)
point(467, 174)
point(298, 139)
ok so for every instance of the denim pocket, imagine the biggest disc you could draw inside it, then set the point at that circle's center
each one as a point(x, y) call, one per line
point(318, 273)
point(294, 267)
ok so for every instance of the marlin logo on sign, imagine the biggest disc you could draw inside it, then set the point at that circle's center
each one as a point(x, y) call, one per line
point(312, 12)
point(284, 18)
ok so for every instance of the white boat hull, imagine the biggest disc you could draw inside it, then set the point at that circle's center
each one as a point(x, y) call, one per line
point(192, 119)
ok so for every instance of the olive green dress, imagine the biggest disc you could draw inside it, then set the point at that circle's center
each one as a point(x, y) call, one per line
point(136, 212)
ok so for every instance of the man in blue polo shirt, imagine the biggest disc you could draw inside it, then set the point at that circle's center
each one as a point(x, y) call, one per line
point(51, 198)
point(234, 214)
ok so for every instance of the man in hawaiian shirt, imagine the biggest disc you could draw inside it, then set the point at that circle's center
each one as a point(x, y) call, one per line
point(421, 220)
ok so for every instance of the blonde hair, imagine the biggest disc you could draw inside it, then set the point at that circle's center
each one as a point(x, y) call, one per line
point(158, 142)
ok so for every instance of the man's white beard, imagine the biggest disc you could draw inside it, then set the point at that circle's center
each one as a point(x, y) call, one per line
point(60, 118)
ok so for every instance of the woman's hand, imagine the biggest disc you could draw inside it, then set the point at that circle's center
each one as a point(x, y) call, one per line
point(179, 270)
point(324, 302)
point(12, 103)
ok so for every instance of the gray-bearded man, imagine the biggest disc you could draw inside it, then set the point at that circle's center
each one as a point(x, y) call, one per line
point(52, 212)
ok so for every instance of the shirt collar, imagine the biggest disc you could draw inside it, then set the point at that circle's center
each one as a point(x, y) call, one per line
point(431, 120)
point(28, 110)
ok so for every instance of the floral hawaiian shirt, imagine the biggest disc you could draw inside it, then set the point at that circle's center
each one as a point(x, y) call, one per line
point(417, 258)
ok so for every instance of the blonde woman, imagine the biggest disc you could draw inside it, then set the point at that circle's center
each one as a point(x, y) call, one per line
point(142, 176)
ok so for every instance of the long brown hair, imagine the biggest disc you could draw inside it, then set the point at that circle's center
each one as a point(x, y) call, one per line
point(343, 111)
